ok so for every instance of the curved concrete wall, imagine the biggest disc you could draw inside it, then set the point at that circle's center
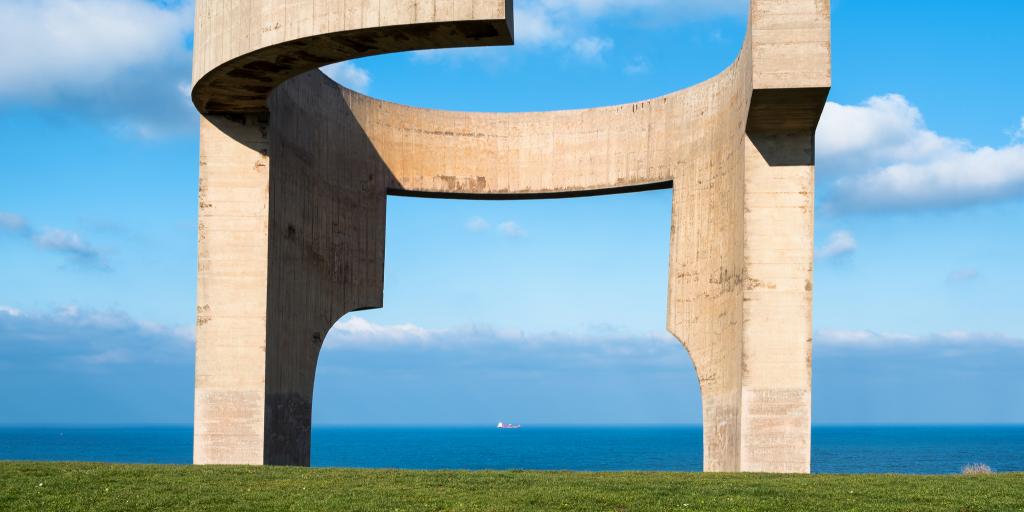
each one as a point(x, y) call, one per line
point(560, 153)
point(244, 49)
point(295, 170)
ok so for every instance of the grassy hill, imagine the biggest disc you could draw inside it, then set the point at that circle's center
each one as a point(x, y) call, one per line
point(76, 486)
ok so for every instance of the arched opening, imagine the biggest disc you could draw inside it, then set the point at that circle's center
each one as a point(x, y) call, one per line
point(549, 314)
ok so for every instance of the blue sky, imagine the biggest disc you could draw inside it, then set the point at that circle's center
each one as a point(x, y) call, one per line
point(534, 311)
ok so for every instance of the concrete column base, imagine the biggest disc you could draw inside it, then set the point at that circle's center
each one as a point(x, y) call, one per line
point(740, 300)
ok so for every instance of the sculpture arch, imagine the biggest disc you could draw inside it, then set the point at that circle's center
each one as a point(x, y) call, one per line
point(295, 170)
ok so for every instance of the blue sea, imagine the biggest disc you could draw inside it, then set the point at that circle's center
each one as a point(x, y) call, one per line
point(923, 450)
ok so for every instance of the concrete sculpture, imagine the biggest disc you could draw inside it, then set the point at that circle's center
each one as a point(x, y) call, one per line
point(295, 170)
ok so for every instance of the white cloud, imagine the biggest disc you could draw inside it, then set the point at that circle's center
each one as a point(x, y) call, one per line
point(592, 48)
point(882, 129)
point(89, 337)
point(534, 26)
point(869, 339)
point(506, 350)
point(355, 331)
point(884, 157)
point(1018, 136)
point(511, 229)
point(9, 311)
point(126, 61)
point(839, 243)
point(350, 75)
point(68, 243)
point(964, 178)
point(477, 224)
point(83, 43)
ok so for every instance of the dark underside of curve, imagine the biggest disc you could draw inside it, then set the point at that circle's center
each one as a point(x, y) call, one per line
point(564, 194)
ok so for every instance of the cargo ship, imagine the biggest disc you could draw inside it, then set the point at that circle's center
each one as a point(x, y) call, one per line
point(502, 425)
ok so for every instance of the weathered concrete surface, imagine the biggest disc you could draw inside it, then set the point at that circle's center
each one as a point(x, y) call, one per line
point(295, 170)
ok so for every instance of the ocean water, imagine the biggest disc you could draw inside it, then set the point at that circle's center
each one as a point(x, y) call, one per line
point(922, 450)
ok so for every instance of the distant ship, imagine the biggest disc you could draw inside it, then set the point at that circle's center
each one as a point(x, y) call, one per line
point(507, 425)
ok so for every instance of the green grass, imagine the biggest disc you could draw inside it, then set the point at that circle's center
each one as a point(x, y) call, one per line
point(76, 486)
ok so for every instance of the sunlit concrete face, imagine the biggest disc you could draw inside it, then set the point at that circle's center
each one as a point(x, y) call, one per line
point(295, 170)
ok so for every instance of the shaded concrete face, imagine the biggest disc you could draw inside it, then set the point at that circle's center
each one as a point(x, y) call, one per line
point(295, 171)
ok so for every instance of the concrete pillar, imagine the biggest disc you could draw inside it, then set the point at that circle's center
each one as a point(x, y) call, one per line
point(778, 267)
point(740, 300)
point(706, 277)
point(231, 293)
point(291, 239)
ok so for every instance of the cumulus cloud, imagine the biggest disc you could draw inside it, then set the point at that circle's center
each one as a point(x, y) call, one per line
point(9, 311)
point(610, 345)
point(126, 61)
point(969, 177)
point(477, 224)
point(356, 330)
point(882, 129)
point(89, 337)
point(591, 48)
point(534, 25)
point(350, 75)
point(67, 243)
point(511, 229)
point(882, 155)
point(873, 339)
point(588, 348)
point(839, 243)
